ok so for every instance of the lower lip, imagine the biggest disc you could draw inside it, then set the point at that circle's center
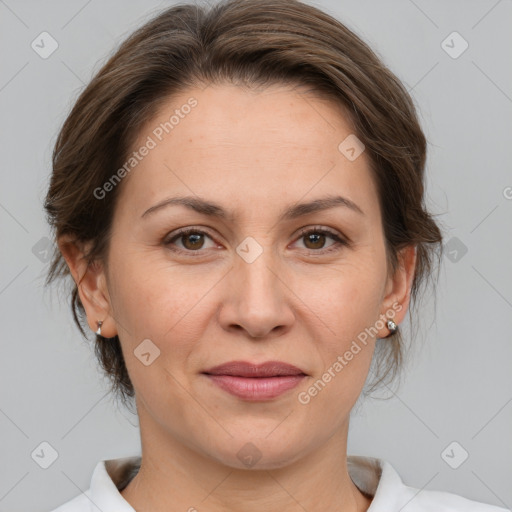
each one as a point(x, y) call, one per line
point(256, 388)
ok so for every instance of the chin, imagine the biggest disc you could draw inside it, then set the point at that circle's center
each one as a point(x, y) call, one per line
point(258, 453)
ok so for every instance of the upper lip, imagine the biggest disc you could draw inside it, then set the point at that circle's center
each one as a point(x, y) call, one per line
point(245, 369)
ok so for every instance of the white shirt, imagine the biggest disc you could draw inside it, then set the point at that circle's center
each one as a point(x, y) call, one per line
point(372, 476)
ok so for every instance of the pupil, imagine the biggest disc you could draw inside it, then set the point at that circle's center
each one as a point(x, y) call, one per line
point(317, 236)
point(195, 239)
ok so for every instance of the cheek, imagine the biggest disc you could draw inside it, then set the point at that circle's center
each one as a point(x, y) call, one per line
point(347, 297)
point(145, 288)
point(346, 346)
point(163, 302)
point(345, 304)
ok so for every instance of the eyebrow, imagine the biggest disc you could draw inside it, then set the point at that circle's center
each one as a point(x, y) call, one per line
point(294, 211)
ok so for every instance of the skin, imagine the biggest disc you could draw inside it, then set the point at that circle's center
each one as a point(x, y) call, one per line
point(255, 153)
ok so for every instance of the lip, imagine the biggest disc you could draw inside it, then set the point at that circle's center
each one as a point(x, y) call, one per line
point(246, 369)
point(255, 382)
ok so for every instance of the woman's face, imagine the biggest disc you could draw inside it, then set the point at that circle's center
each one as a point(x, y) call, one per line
point(258, 279)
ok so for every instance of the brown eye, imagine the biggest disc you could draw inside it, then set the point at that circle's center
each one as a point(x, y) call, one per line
point(192, 240)
point(315, 239)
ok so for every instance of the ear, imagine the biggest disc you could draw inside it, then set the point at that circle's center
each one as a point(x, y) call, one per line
point(398, 289)
point(92, 286)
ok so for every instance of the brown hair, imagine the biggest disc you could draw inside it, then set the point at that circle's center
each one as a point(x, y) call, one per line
point(250, 43)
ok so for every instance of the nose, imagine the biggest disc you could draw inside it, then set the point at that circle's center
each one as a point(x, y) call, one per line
point(257, 299)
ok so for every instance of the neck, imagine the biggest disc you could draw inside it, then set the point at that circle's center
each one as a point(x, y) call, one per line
point(174, 476)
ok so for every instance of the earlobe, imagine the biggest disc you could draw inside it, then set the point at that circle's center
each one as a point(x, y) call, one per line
point(92, 289)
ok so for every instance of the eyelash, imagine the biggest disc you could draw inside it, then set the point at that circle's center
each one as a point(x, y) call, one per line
point(340, 242)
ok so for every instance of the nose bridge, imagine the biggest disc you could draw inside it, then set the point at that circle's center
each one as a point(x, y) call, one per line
point(258, 299)
point(254, 272)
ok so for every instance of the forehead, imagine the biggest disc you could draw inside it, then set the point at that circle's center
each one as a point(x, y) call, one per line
point(247, 147)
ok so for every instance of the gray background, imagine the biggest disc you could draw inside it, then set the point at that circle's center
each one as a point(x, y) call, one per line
point(459, 381)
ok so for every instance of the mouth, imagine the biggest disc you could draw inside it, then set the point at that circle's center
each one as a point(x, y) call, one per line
point(245, 369)
point(255, 382)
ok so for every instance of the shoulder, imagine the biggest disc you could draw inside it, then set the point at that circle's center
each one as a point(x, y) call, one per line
point(379, 479)
point(417, 500)
point(103, 494)
point(411, 499)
